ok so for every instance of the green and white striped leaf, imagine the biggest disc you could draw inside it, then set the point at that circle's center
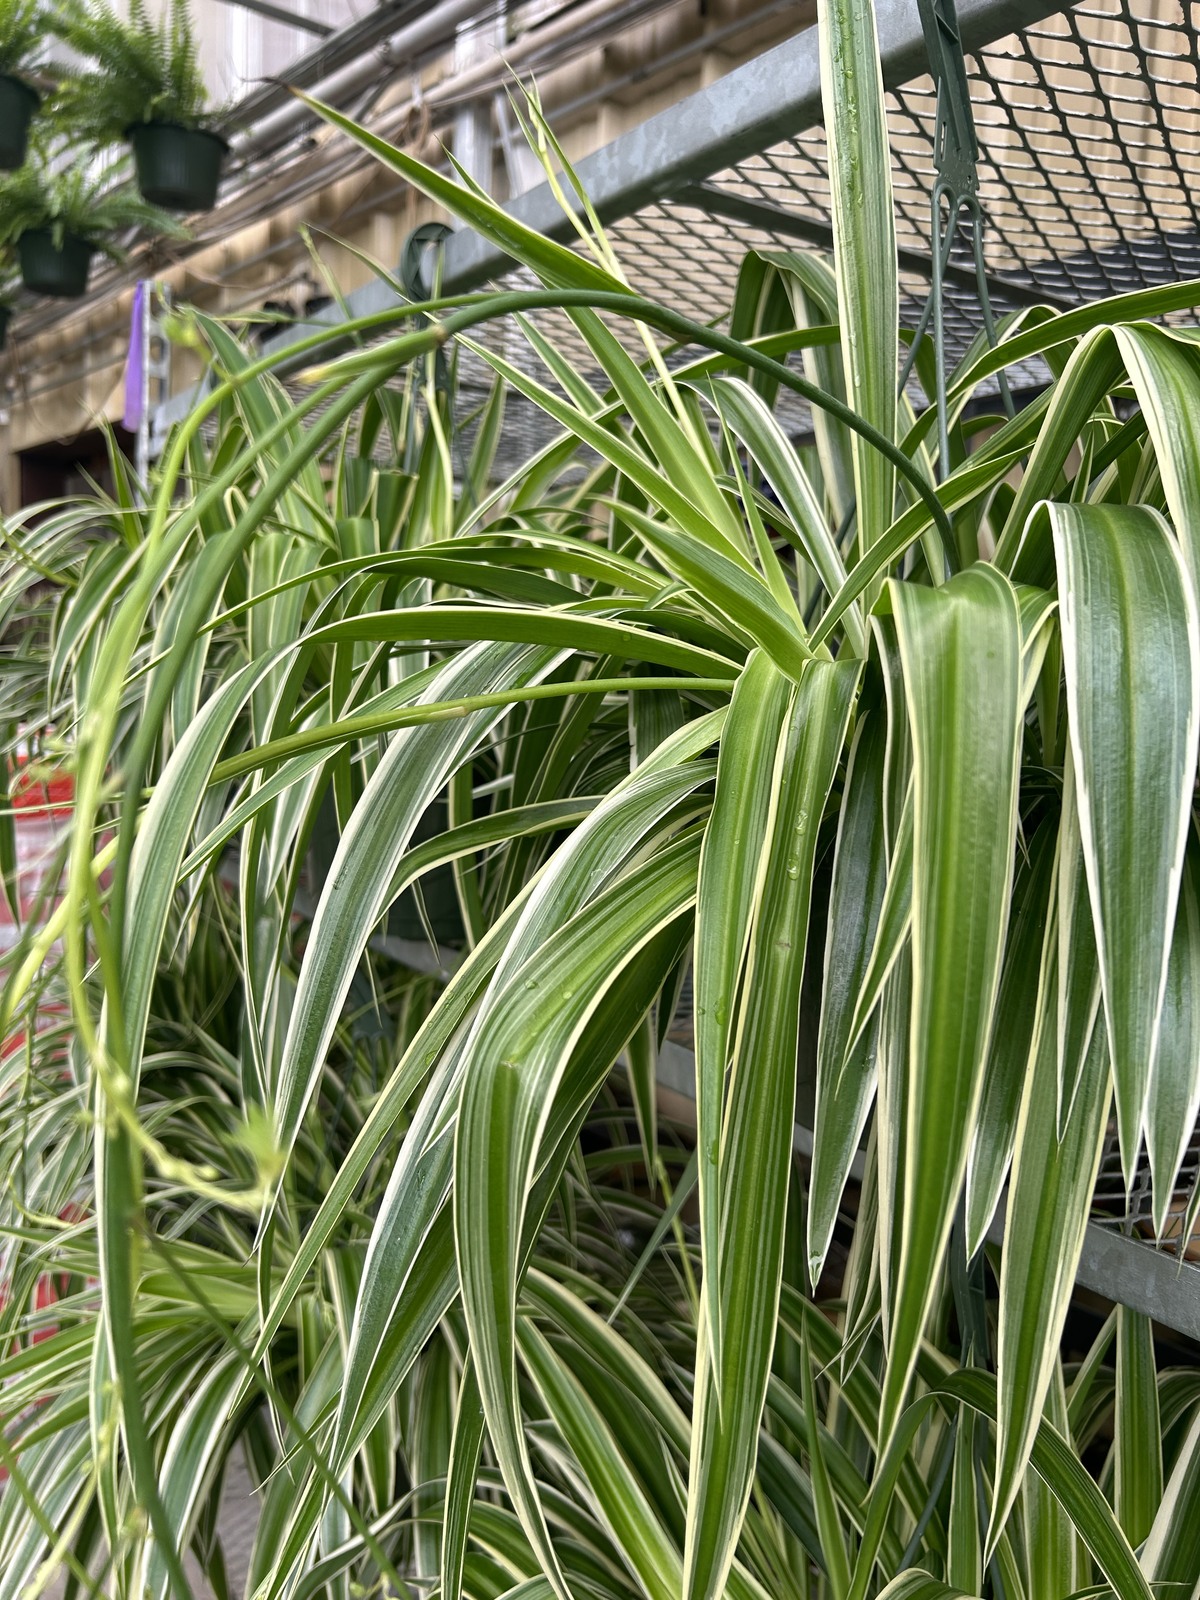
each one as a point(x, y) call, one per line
point(729, 898)
point(1048, 1202)
point(756, 1139)
point(1174, 1100)
point(1012, 1037)
point(960, 648)
point(1131, 648)
point(864, 237)
point(515, 1062)
point(845, 1075)
point(1137, 1442)
point(1165, 372)
point(1171, 1554)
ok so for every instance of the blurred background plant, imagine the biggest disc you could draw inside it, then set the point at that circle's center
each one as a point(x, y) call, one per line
point(139, 68)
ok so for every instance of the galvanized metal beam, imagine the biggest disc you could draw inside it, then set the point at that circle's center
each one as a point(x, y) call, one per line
point(769, 99)
point(289, 18)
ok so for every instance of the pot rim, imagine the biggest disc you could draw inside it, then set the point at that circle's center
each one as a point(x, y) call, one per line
point(69, 237)
point(179, 127)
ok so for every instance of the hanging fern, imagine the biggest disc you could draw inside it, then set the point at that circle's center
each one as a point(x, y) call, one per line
point(143, 69)
point(24, 25)
point(75, 201)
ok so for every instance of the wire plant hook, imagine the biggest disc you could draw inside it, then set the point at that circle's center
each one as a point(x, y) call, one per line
point(954, 202)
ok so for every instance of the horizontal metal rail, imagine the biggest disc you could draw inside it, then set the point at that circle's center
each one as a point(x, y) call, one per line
point(1124, 1270)
point(284, 15)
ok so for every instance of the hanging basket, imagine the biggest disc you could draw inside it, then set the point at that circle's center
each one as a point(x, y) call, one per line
point(48, 268)
point(18, 102)
point(5, 319)
point(178, 168)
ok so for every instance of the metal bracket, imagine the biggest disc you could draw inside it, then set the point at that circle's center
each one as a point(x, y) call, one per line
point(955, 200)
point(956, 148)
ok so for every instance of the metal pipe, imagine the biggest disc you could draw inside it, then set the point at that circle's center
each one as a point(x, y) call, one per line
point(486, 77)
point(346, 44)
point(289, 19)
point(436, 27)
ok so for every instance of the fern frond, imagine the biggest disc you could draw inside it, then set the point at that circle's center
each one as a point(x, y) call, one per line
point(143, 69)
point(75, 200)
point(24, 26)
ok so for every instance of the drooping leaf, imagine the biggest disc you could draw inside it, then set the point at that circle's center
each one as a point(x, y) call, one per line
point(845, 1077)
point(1172, 1549)
point(756, 1141)
point(1174, 1099)
point(961, 652)
point(1131, 648)
point(860, 190)
point(729, 898)
point(1049, 1197)
point(1137, 1448)
point(1012, 1037)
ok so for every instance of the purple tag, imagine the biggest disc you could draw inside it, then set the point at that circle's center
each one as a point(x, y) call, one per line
point(133, 364)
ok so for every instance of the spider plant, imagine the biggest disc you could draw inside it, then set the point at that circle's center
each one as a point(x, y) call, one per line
point(899, 765)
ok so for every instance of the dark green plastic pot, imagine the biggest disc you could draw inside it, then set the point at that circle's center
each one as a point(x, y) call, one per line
point(5, 319)
point(48, 268)
point(177, 168)
point(18, 102)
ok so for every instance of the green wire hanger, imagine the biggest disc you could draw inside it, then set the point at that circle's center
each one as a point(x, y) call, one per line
point(955, 199)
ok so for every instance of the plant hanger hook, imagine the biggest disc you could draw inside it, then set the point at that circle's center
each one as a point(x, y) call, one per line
point(955, 198)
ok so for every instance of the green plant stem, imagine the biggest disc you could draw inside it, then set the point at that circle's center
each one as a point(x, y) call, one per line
point(442, 710)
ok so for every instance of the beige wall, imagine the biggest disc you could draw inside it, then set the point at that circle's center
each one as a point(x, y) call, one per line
point(68, 374)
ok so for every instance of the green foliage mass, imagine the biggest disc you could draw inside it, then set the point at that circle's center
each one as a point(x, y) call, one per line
point(24, 28)
point(141, 68)
point(76, 200)
point(891, 770)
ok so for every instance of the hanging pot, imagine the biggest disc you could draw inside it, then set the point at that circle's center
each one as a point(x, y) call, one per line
point(18, 102)
point(53, 269)
point(5, 319)
point(178, 168)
